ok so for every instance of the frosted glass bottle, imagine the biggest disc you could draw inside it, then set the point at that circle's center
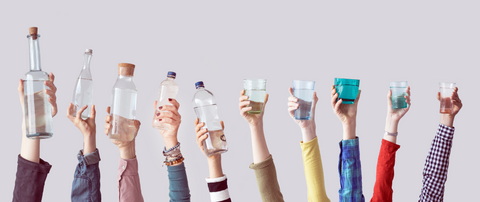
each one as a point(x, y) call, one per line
point(37, 109)
point(83, 92)
point(168, 89)
point(124, 105)
point(206, 111)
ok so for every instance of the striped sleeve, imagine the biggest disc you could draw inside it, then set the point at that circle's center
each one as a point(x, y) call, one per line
point(218, 189)
point(436, 165)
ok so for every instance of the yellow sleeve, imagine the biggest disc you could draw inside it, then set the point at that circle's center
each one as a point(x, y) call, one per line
point(312, 163)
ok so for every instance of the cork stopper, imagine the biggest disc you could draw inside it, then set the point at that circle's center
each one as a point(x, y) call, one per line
point(125, 69)
point(33, 32)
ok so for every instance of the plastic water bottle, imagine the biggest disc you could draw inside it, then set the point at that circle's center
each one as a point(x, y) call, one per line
point(206, 111)
point(124, 105)
point(38, 111)
point(168, 89)
point(83, 93)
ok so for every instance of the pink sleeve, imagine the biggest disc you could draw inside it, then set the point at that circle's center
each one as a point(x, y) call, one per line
point(129, 181)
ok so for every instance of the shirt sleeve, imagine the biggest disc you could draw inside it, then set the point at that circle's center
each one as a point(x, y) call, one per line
point(30, 180)
point(266, 176)
point(382, 191)
point(129, 181)
point(312, 164)
point(177, 177)
point(218, 189)
point(86, 181)
point(436, 165)
point(350, 171)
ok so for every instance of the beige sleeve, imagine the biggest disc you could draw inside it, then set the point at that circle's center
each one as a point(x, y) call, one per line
point(267, 180)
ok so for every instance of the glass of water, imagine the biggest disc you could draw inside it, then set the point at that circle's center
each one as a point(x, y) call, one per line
point(347, 89)
point(446, 90)
point(255, 89)
point(399, 91)
point(303, 91)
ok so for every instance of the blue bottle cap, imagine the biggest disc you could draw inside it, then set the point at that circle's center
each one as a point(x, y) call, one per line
point(171, 74)
point(199, 84)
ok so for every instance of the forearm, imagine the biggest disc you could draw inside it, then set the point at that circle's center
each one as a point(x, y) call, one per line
point(447, 119)
point(215, 166)
point(127, 152)
point(349, 128)
point(309, 133)
point(312, 163)
point(89, 143)
point(391, 126)
point(30, 149)
point(259, 144)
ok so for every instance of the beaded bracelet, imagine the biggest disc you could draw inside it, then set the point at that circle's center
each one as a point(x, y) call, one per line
point(174, 161)
point(172, 152)
point(166, 151)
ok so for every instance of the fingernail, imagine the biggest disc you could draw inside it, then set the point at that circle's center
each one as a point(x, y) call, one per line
point(158, 114)
point(159, 119)
point(160, 107)
point(169, 99)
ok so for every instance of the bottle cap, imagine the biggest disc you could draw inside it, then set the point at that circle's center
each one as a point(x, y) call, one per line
point(199, 84)
point(125, 69)
point(33, 32)
point(171, 74)
point(89, 51)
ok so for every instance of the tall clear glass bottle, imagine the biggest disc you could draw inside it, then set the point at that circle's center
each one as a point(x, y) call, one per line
point(38, 111)
point(124, 105)
point(83, 92)
point(168, 89)
point(206, 111)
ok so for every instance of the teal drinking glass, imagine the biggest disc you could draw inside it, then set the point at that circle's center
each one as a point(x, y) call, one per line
point(347, 89)
point(399, 91)
point(303, 90)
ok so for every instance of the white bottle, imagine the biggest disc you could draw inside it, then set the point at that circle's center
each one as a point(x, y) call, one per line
point(83, 92)
point(206, 111)
point(168, 89)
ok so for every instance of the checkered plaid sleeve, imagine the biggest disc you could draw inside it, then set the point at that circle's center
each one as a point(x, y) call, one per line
point(350, 171)
point(436, 165)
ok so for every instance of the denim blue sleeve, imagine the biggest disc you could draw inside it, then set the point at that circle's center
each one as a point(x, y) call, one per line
point(350, 171)
point(177, 177)
point(30, 180)
point(86, 181)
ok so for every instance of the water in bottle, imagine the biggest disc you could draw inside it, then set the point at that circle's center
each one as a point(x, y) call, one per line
point(168, 89)
point(83, 93)
point(206, 111)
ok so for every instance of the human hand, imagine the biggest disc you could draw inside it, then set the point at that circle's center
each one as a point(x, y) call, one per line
point(293, 104)
point(51, 92)
point(347, 113)
point(202, 136)
point(168, 115)
point(87, 126)
point(447, 119)
point(125, 128)
point(252, 119)
point(396, 114)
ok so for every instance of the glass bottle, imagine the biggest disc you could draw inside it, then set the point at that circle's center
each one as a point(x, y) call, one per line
point(124, 105)
point(168, 89)
point(83, 93)
point(206, 111)
point(37, 109)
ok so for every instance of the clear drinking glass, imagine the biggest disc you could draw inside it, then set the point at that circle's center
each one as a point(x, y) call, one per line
point(38, 111)
point(347, 89)
point(399, 91)
point(446, 90)
point(124, 105)
point(255, 89)
point(83, 92)
point(168, 89)
point(303, 90)
point(206, 111)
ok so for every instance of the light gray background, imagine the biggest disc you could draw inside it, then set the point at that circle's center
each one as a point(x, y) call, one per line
point(223, 42)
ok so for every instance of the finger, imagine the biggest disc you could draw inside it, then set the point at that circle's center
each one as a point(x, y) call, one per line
point(292, 99)
point(337, 105)
point(266, 100)
point(51, 94)
point(108, 118)
point(293, 105)
point(243, 104)
point(223, 126)
point(245, 110)
point(315, 98)
point(107, 126)
point(51, 86)
point(242, 92)
point(198, 127)
point(70, 112)
point(20, 88)
point(408, 91)
point(155, 105)
point(196, 122)
point(291, 91)
point(168, 115)
point(53, 102)
point(438, 96)
point(200, 140)
point(334, 99)
point(80, 111)
point(243, 98)
point(333, 90)
point(169, 109)
point(389, 99)
point(174, 102)
point(93, 112)
point(51, 77)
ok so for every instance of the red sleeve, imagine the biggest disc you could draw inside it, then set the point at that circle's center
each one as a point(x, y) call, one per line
point(382, 190)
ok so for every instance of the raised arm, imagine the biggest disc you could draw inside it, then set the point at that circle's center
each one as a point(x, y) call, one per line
point(382, 191)
point(86, 181)
point(217, 181)
point(349, 167)
point(32, 171)
point(177, 176)
point(436, 164)
point(129, 189)
point(312, 160)
point(263, 166)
